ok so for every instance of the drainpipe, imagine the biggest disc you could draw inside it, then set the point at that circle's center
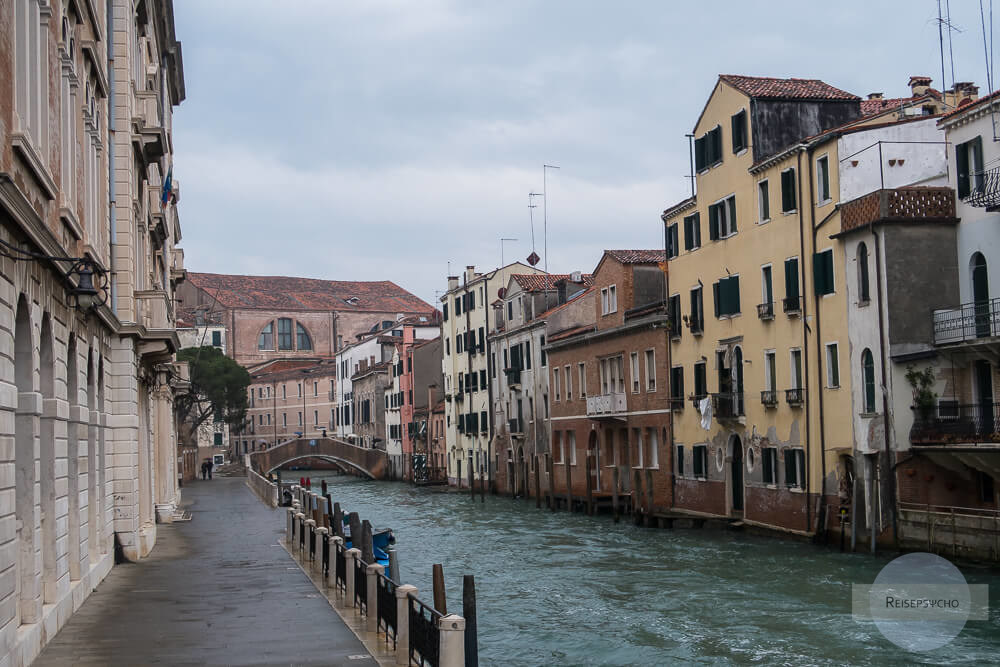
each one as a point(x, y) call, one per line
point(821, 516)
point(109, 10)
point(666, 336)
point(885, 399)
point(805, 334)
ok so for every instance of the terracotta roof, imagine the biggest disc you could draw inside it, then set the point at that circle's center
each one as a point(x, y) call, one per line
point(802, 89)
point(537, 282)
point(965, 105)
point(289, 369)
point(568, 303)
point(637, 256)
point(286, 293)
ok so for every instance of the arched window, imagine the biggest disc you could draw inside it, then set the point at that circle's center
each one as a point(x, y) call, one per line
point(981, 295)
point(868, 375)
point(284, 333)
point(302, 340)
point(864, 293)
point(266, 340)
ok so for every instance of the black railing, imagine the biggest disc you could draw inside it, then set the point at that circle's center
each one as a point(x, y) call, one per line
point(769, 398)
point(979, 319)
point(513, 375)
point(985, 190)
point(676, 403)
point(385, 594)
point(312, 542)
point(326, 555)
point(955, 424)
point(361, 585)
point(795, 396)
point(515, 426)
point(425, 633)
point(792, 304)
point(728, 405)
point(340, 572)
point(696, 400)
point(302, 534)
point(765, 311)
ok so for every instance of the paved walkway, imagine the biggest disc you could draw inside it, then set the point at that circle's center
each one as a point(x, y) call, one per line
point(218, 590)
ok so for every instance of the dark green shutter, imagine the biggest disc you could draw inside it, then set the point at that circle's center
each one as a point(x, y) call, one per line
point(823, 272)
point(792, 278)
point(699, 153)
point(732, 214)
point(713, 222)
point(729, 293)
point(739, 127)
point(962, 169)
point(790, 468)
point(715, 294)
point(696, 226)
point(788, 191)
point(977, 175)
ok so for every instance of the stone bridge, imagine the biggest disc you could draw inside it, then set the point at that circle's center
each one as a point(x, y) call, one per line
point(371, 463)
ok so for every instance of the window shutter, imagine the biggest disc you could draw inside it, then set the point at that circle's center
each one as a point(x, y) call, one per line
point(791, 278)
point(696, 226)
point(713, 222)
point(716, 145)
point(739, 126)
point(732, 214)
point(823, 272)
point(699, 153)
point(715, 294)
point(790, 468)
point(788, 191)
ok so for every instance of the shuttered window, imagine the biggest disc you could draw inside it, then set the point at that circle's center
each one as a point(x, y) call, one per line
point(692, 232)
point(792, 278)
point(700, 460)
point(969, 166)
point(708, 149)
point(823, 272)
point(700, 384)
point(727, 296)
point(739, 127)
point(672, 241)
point(674, 315)
point(677, 382)
point(722, 218)
point(788, 198)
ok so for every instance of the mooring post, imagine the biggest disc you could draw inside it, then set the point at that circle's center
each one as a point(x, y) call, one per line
point(538, 488)
point(335, 542)
point(569, 487)
point(440, 599)
point(367, 544)
point(552, 482)
point(482, 485)
point(616, 480)
point(354, 522)
point(403, 594)
point(322, 545)
point(451, 633)
point(469, 612)
point(371, 579)
point(338, 521)
point(290, 525)
point(649, 497)
point(351, 555)
point(472, 484)
point(393, 565)
point(590, 485)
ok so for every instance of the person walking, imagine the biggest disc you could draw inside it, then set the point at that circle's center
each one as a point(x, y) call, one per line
point(204, 470)
point(209, 465)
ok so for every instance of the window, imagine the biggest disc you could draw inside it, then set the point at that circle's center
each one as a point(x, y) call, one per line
point(444, 309)
point(739, 126)
point(727, 296)
point(763, 202)
point(832, 366)
point(679, 461)
point(634, 368)
point(458, 343)
point(302, 340)
point(582, 384)
point(692, 231)
point(722, 218)
point(266, 339)
point(823, 179)
point(696, 319)
point(555, 384)
point(559, 451)
point(650, 370)
point(612, 375)
point(653, 455)
point(699, 461)
point(672, 244)
point(864, 291)
point(708, 149)
point(795, 467)
point(823, 272)
point(284, 419)
point(677, 384)
point(284, 392)
point(571, 445)
point(316, 415)
point(447, 346)
point(300, 418)
point(315, 388)
point(788, 197)
point(674, 315)
point(766, 290)
point(569, 383)
point(770, 371)
point(969, 167)
point(284, 333)
point(609, 300)
point(217, 339)
point(868, 379)
point(527, 355)
point(769, 465)
point(700, 383)
point(458, 305)
point(796, 369)
point(792, 280)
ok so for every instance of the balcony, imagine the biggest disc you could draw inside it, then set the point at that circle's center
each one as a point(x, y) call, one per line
point(676, 403)
point(459, 397)
point(606, 405)
point(769, 399)
point(792, 305)
point(728, 405)
point(968, 322)
point(148, 131)
point(795, 397)
point(515, 427)
point(765, 311)
point(153, 310)
point(696, 400)
point(917, 204)
point(985, 190)
point(958, 424)
point(513, 376)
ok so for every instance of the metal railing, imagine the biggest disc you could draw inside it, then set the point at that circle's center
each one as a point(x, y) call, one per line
point(385, 593)
point(769, 398)
point(792, 305)
point(340, 567)
point(361, 585)
point(985, 191)
point(970, 321)
point(955, 424)
point(425, 635)
point(795, 396)
point(728, 405)
point(765, 311)
point(513, 375)
point(312, 542)
point(326, 555)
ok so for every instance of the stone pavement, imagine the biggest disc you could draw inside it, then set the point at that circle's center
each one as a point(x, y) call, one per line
point(218, 590)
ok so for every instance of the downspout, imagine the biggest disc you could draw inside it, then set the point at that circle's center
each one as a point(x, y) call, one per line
point(805, 334)
point(821, 514)
point(666, 335)
point(113, 231)
point(885, 399)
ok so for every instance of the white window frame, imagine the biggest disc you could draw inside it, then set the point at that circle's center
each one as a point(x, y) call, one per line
point(819, 186)
point(555, 385)
point(829, 365)
point(582, 369)
point(651, 370)
point(569, 382)
point(571, 445)
point(612, 299)
point(772, 355)
point(604, 301)
point(636, 375)
point(654, 448)
point(724, 220)
point(761, 220)
point(637, 434)
point(795, 382)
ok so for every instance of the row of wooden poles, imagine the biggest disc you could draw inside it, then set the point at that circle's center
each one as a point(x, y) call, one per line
point(420, 634)
point(639, 503)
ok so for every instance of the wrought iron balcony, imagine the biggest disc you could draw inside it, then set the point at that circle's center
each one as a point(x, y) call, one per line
point(795, 397)
point(968, 322)
point(696, 400)
point(792, 305)
point(769, 398)
point(985, 191)
point(765, 311)
point(957, 424)
point(515, 426)
point(728, 405)
point(513, 376)
point(606, 405)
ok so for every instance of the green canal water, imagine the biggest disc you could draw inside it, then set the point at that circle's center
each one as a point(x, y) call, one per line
point(565, 589)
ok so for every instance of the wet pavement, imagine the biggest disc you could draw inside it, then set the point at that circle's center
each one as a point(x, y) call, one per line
point(217, 590)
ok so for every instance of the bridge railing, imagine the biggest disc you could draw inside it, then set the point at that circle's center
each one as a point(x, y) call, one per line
point(419, 633)
point(263, 488)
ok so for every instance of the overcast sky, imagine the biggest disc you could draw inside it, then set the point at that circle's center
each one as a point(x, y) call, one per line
point(383, 139)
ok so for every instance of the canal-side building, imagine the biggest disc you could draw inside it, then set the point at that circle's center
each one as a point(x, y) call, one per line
point(281, 317)
point(466, 317)
point(198, 329)
point(369, 385)
point(433, 446)
point(89, 376)
point(419, 384)
point(519, 371)
point(607, 361)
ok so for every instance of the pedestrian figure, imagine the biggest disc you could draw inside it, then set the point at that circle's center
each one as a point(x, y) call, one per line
point(209, 465)
point(204, 470)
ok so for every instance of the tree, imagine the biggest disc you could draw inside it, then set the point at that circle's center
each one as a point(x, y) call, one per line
point(218, 388)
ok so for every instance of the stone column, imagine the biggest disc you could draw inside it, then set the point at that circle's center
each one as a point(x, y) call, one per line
point(371, 578)
point(164, 449)
point(403, 594)
point(352, 555)
point(288, 526)
point(27, 416)
point(452, 646)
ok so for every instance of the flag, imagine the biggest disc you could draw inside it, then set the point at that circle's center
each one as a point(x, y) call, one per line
point(165, 196)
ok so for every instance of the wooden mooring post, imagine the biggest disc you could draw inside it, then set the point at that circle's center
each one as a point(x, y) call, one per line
point(472, 482)
point(552, 482)
point(538, 490)
point(616, 481)
point(590, 485)
point(440, 599)
point(338, 521)
point(367, 543)
point(482, 485)
point(354, 521)
point(469, 612)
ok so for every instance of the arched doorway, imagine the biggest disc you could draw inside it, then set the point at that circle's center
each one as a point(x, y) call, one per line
point(24, 465)
point(736, 473)
point(73, 456)
point(980, 294)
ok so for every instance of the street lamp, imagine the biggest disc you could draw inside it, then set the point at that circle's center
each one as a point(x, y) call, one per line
point(83, 292)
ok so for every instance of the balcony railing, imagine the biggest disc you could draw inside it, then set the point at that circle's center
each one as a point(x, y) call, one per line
point(795, 397)
point(515, 426)
point(924, 204)
point(606, 405)
point(956, 424)
point(765, 311)
point(985, 191)
point(513, 375)
point(792, 305)
point(676, 403)
point(769, 399)
point(696, 400)
point(970, 321)
point(153, 310)
point(728, 405)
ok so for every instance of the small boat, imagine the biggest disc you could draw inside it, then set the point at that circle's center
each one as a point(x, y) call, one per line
point(381, 540)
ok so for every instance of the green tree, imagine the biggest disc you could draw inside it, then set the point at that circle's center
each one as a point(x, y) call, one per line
point(218, 388)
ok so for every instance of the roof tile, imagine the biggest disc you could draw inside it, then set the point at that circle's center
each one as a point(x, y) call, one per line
point(537, 282)
point(803, 89)
point(637, 256)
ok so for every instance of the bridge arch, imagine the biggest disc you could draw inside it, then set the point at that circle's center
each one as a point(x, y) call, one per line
point(371, 463)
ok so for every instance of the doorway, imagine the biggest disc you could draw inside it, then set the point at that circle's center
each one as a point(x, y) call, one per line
point(736, 473)
point(981, 295)
point(984, 397)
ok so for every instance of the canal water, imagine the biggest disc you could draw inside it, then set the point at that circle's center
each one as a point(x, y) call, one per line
point(565, 589)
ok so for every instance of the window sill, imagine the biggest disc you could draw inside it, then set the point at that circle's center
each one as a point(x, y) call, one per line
point(796, 489)
point(833, 386)
point(763, 222)
point(823, 203)
point(741, 151)
point(868, 415)
point(792, 212)
point(864, 304)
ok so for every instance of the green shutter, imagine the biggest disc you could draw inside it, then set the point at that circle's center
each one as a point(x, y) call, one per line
point(962, 169)
point(713, 222)
point(715, 294)
point(792, 278)
point(823, 272)
point(699, 153)
point(788, 198)
point(729, 295)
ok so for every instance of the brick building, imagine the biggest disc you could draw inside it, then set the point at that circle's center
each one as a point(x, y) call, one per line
point(608, 385)
point(278, 317)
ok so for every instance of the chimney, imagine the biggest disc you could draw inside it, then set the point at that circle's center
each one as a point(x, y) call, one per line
point(919, 85)
point(875, 96)
point(470, 274)
point(560, 292)
point(965, 90)
point(452, 283)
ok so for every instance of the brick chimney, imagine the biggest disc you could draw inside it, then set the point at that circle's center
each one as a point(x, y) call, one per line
point(965, 90)
point(919, 85)
point(875, 96)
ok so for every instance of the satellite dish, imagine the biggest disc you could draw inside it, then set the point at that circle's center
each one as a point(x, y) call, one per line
point(502, 292)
